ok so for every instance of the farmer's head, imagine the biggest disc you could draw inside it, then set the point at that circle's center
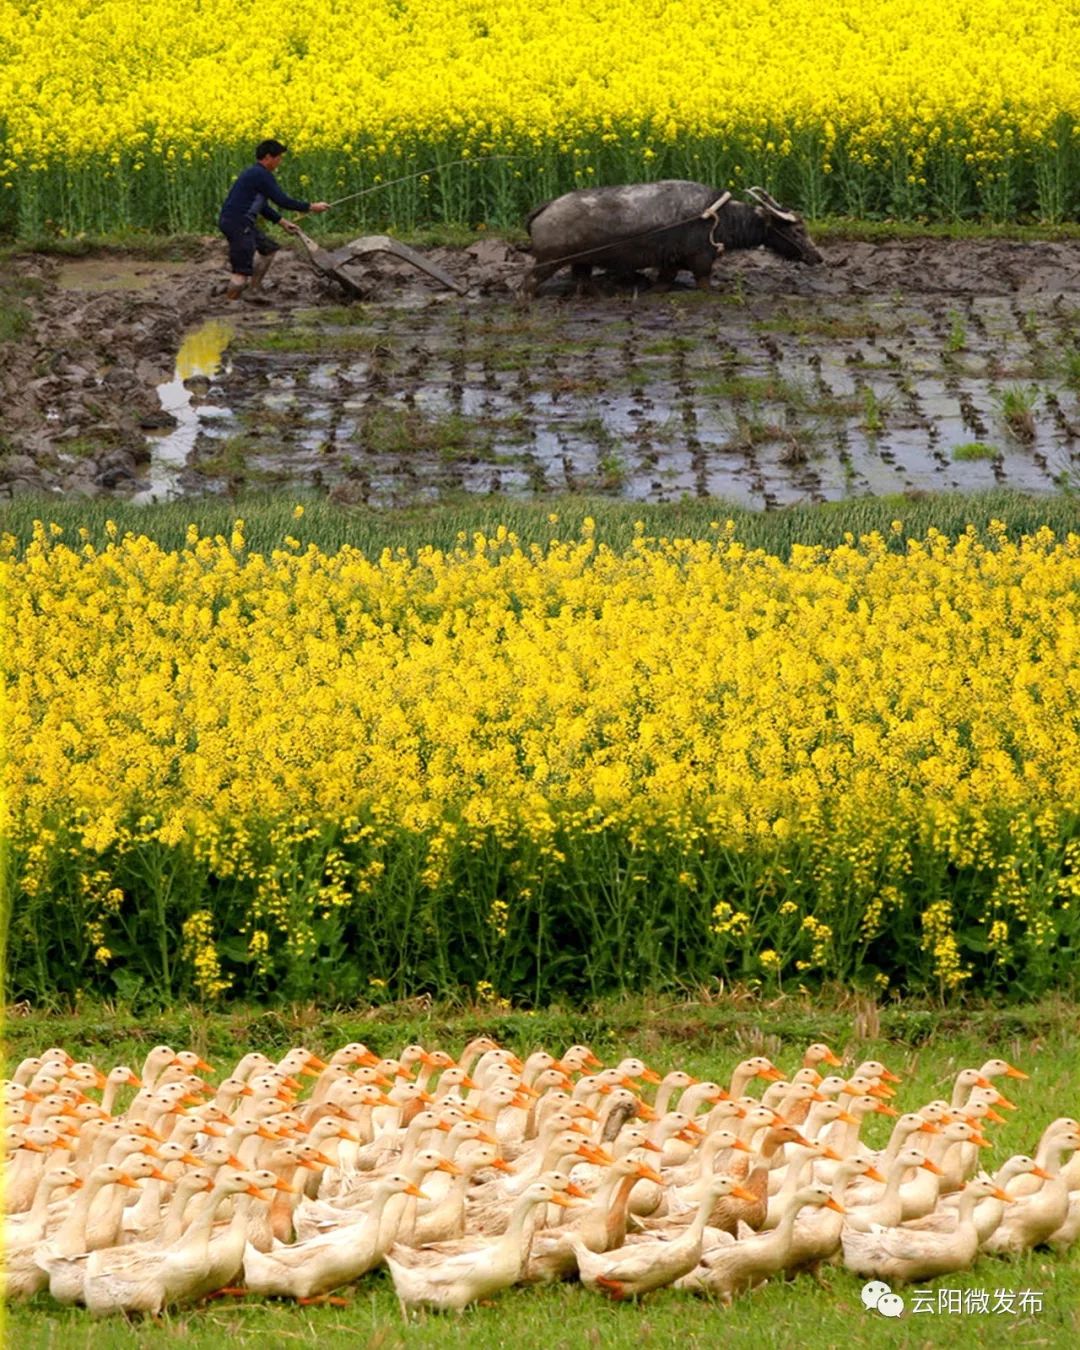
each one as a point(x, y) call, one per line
point(269, 153)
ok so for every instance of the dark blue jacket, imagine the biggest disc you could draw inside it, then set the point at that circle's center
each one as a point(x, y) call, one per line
point(251, 195)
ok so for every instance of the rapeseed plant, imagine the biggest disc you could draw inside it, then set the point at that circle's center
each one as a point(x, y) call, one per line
point(113, 119)
point(551, 768)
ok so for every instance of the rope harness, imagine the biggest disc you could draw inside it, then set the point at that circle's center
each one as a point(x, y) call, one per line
point(710, 213)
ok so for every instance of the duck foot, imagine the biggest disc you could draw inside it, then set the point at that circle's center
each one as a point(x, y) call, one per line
point(330, 1299)
point(613, 1288)
point(228, 1291)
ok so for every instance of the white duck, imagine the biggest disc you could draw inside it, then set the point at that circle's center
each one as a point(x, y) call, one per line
point(20, 1275)
point(741, 1264)
point(904, 1254)
point(455, 1274)
point(144, 1278)
point(307, 1270)
point(653, 1261)
point(601, 1226)
point(1033, 1219)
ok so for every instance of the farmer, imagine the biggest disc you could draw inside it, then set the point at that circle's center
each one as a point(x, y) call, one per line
point(250, 197)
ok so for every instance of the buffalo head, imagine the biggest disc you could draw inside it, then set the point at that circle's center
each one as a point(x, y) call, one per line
point(785, 232)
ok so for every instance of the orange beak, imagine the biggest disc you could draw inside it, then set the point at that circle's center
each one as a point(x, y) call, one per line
point(741, 1193)
point(1016, 1073)
point(596, 1154)
point(834, 1205)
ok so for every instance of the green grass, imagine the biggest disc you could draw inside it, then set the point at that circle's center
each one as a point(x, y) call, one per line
point(974, 450)
point(14, 313)
point(153, 244)
point(269, 518)
point(921, 1042)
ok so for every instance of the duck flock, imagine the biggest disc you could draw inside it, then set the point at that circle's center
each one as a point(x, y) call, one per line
point(466, 1175)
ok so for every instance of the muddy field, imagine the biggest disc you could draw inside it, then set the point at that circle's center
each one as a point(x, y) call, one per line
point(895, 367)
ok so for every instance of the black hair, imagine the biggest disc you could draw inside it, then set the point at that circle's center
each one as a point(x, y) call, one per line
point(270, 147)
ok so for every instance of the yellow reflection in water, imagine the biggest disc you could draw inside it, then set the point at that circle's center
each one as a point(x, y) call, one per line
point(201, 350)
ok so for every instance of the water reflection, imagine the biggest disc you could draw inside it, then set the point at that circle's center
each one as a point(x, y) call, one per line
point(201, 355)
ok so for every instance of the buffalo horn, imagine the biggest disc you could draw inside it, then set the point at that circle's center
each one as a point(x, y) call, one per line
point(771, 205)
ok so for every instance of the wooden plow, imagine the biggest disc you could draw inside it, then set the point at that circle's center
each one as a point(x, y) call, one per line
point(340, 264)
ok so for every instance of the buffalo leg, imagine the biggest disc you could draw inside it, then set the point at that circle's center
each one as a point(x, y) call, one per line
point(537, 274)
point(582, 274)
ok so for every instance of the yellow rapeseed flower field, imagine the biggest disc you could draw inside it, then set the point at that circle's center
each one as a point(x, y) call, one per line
point(226, 767)
point(847, 104)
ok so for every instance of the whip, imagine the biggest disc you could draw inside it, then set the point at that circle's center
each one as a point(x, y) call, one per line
point(420, 173)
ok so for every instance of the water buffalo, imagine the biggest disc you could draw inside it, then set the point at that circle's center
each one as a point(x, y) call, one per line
point(670, 225)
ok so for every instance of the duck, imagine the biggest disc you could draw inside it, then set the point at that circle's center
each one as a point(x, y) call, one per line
point(601, 1226)
point(887, 1208)
point(62, 1258)
point(1001, 1068)
point(455, 1274)
point(444, 1219)
point(116, 1079)
point(757, 1066)
point(228, 1237)
point(988, 1212)
point(1033, 1219)
point(902, 1254)
point(677, 1080)
point(655, 1260)
point(20, 1274)
point(738, 1265)
point(579, 1059)
point(816, 1235)
point(489, 1204)
point(306, 1270)
point(156, 1062)
point(819, 1053)
point(144, 1278)
point(730, 1211)
point(479, 1045)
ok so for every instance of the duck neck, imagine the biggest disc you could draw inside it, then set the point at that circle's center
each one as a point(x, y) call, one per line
point(710, 1147)
point(70, 1238)
point(796, 1171)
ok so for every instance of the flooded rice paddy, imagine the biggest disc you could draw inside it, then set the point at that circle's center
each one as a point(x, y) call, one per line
point(645, 395)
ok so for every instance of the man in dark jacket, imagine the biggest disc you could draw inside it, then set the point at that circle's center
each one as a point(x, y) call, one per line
point(250, 197)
